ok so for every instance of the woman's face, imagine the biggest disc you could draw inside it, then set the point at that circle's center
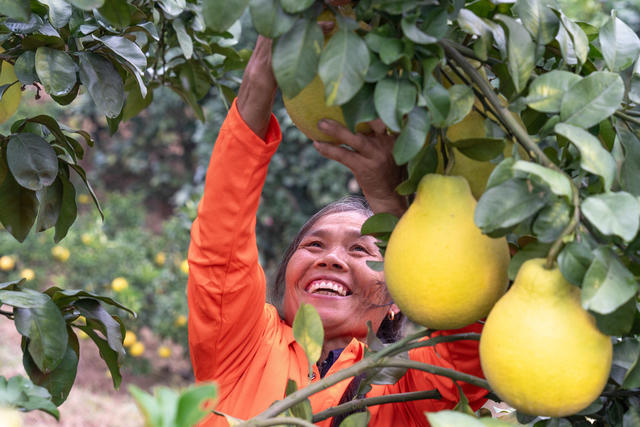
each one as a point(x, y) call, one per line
point(329, 271)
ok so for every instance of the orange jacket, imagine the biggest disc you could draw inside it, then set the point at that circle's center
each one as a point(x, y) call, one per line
point(239, 341)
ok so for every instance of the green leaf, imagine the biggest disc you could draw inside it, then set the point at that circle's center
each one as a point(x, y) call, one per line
point(59, 381)
point(538, 19)
point(103, 82)
point(592, 99)
point(127, 50)
point(574, 261)
point(413, 136)
point(461, 102)
point(379, 224)
point(20, 392)
point(83, 176)
point(360, 108)
point(573, 41)
point(116, 12)
point(359, 419)
point(23, 298)
point(87, 4)
point(147, 405)
point(618, 322)
point(47, 332)
point(551, 221)
point(558, 183)
point(296, 55)
point(303, 409)
point(64, 297)
point(184, 39)
point(32, 161)
point(594, 157)
point(521, 52)
point(547, 90)
point(426, 161)
point(107, 354)
point(607, 283)
point(135, 102)
point(18, 208)
point(619, 45)
point(481, 149)
point(219, 15)
point(630, 169)
point(505, 205)
point(419, 35)
point(438, 103)
point(309, 333)
point(295, 6)
point(393, 99)
point(269, 19)
point(25, 68)
point(56, 70)
point(50, 202)
point(16, 9)
point(343, 66)
point(530, 251)
point(102, 321)
point(68, 209)
point(626, 363)
point(631, 417)
point(452, 419)
point(613, 214)
point(191, 402)
point(59, 12)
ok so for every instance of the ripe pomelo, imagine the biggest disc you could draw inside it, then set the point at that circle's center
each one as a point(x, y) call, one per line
point(540, 350)
point(440, 269)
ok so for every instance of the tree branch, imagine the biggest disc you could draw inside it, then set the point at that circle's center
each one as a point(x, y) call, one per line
point(357, 404)
point(277, 421)
point(437, 370)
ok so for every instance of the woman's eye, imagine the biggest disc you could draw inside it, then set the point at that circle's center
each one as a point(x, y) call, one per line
point(314, 244)
point(360, 248)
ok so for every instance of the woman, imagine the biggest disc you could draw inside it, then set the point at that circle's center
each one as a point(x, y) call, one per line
point(242, 343)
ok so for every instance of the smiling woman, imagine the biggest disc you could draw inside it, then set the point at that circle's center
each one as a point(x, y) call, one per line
point(246, 345)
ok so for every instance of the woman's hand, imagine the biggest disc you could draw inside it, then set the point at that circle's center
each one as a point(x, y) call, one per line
point(371, 162)
point(258, 89)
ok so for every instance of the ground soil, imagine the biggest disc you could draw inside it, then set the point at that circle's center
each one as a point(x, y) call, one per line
point(93, 402)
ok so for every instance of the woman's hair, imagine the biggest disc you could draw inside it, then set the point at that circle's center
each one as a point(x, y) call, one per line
point(390, 330)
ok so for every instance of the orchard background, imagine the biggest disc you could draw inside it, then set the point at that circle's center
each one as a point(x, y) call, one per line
point(133, 125)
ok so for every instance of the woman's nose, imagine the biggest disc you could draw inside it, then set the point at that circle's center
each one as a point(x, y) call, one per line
point(332, 259)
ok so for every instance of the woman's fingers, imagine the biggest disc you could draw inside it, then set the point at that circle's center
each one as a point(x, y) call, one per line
point(342, 134)
point(337, 153)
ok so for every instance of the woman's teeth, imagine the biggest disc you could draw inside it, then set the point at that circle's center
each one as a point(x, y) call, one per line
point(325, 287)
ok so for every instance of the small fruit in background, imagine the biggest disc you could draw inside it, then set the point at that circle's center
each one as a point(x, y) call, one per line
point(27, 274)
point(164, 351)
point(7, 263)
point(184, 266)
point(119, 284)
point(86, 238)
point(181, 320)
point(136, 349)
point(129, 339)
point(60, 253)
point(83, 199)
point(160, 258)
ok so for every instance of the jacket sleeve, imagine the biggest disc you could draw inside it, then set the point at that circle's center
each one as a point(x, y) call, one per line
point(226, 288)
point(459, 355)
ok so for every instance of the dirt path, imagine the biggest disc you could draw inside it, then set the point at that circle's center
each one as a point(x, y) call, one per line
point(93, 402)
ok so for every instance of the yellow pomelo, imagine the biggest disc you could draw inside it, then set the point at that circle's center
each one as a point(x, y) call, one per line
point(440, 269)
point(540, 350)
point(11, 97)
point(309, 106)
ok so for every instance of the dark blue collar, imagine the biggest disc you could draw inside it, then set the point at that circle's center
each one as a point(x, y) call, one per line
point(326, 364)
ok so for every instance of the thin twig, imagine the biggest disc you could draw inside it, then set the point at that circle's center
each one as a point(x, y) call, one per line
point(627, 117)
point(278, 421)
point(437, 370)
point(357, 404)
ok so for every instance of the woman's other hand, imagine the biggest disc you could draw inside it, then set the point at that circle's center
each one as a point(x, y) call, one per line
point(258, 89)
point(371, 161)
